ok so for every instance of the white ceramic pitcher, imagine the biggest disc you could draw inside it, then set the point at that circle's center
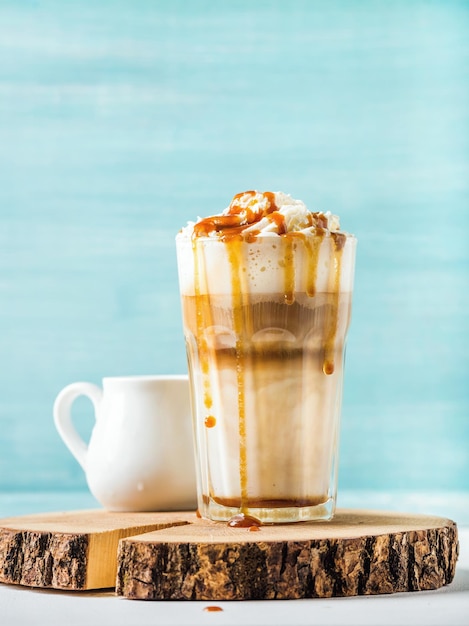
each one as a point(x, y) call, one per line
point(140, 455)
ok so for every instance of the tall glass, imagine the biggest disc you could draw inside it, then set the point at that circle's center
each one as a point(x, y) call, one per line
point(265, 323)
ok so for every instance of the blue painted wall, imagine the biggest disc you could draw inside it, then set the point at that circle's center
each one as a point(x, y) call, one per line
point(119, 121)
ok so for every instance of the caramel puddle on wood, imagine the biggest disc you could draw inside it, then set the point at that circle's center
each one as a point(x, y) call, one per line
point(244, 521)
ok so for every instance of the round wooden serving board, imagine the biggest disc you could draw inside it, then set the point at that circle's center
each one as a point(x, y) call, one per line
point(176, 556)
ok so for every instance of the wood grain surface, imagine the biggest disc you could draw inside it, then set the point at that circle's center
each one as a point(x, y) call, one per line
point(357, 553)
point(174, 556)
point(73, 550)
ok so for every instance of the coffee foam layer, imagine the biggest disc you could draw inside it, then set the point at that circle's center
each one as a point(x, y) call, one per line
point(262, 264)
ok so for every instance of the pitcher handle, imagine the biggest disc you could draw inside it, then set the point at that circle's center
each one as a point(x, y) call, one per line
point(63, 417)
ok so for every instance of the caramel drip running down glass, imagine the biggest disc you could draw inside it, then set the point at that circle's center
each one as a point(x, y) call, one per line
point(266, 291)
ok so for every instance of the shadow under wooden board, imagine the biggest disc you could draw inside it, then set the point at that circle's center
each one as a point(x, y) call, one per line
point(177, 556)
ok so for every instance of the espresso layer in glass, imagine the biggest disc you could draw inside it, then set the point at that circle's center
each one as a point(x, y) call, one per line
point(266, 412)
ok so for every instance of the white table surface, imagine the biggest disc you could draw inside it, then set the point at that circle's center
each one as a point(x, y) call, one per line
point(448, 606)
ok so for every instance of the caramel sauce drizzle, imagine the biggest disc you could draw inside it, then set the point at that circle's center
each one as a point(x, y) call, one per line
point(218, 223)
point(210, 421)
point(289, 269)
point(337, 243)
point(236, 219)
point(279, 220)
point(239, 322)
point(203, 313)
point(313, 247)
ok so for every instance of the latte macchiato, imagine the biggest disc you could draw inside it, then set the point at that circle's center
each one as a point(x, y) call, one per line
point(266, 295)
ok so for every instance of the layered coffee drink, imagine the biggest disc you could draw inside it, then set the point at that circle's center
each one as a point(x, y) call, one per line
point(266, 295)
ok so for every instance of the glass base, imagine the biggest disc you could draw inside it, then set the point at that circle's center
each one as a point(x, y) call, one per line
point(209, 509)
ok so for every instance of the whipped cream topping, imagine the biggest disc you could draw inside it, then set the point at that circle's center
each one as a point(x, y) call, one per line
point(254, 213)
